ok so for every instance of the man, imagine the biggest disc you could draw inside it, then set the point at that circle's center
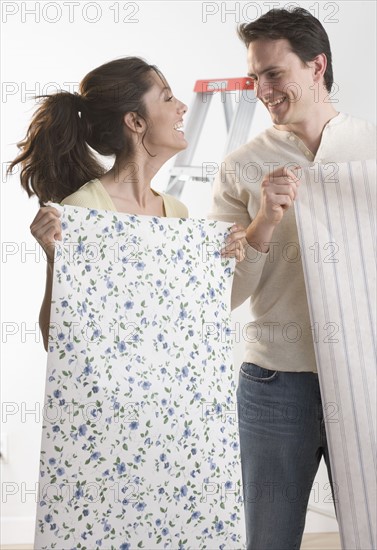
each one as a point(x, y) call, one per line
point(282, 431)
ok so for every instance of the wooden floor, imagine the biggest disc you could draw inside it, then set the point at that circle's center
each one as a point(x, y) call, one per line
point(312, 541)
point(321, 541)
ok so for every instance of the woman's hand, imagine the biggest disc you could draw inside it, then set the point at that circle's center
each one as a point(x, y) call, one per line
point(235, 243)
point(46, 228)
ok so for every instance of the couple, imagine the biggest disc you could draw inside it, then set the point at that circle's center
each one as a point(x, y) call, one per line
point(126, 108)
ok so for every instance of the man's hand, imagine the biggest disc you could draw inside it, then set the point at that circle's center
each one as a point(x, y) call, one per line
point(278, 191)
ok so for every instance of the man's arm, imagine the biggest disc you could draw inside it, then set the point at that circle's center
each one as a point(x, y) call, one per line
point(228, 206)
point(278, 190)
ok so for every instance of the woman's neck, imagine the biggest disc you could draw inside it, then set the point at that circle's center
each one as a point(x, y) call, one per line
point(130, 178)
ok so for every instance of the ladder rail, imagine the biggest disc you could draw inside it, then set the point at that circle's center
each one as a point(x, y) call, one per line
point(228, 110)
point(240, 126)
point(193, 127)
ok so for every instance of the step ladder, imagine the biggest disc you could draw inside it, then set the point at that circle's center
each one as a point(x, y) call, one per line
point(238, 121)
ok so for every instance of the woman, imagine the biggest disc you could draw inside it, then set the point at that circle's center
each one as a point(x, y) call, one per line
point(125, 108)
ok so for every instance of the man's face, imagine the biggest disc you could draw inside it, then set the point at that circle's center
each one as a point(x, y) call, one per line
point(282, 82)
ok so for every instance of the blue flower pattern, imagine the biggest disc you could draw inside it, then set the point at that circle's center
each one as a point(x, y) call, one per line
point(140, 442)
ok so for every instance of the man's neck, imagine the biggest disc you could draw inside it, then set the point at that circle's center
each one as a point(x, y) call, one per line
point(310, 131)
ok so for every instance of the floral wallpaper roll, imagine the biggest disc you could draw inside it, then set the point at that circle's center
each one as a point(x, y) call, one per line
point(140, 442)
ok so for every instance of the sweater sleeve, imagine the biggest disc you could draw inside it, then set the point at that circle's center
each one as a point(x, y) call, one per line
point(228, 206)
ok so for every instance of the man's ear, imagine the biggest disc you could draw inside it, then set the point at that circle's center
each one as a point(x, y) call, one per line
point(134, 122)
point(319, 66)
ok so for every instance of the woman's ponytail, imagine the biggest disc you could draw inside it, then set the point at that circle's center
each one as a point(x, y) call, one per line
point(55, 157)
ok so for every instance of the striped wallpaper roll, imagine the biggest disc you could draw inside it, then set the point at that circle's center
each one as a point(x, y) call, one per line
point(336, 219)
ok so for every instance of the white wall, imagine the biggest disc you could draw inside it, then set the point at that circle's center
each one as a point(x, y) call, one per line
point(187, 45)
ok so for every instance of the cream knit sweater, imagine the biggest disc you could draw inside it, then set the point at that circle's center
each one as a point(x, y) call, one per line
point(280, 335)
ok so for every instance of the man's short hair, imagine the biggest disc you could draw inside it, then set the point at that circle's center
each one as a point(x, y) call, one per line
point(304, 32)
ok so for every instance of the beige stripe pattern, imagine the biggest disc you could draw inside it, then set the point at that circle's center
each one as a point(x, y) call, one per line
point(336, 219)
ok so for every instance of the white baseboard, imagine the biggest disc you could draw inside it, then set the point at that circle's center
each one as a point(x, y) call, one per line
point(317, 523)
point(20, 530)
point(17, 530)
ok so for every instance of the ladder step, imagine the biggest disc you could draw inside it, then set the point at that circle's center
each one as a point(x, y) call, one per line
point(188, 172)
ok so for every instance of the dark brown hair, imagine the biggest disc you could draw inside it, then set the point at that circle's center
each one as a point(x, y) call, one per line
point(57, 155)
point(304, 32)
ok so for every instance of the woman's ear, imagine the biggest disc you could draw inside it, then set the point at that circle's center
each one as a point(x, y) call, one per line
point(134, 122)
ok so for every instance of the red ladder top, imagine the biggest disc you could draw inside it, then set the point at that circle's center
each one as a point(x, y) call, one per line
point(224, 84)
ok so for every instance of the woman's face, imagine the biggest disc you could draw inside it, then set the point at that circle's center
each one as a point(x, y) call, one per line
point(164, 136)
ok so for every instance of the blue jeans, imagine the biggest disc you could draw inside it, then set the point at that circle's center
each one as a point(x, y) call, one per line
point(282, 440)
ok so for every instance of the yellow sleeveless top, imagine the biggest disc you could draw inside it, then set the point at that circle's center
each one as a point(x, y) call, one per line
point(94, 195)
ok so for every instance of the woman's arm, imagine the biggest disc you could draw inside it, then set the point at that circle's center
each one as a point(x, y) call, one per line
point(44, 315)
point(46, 229)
